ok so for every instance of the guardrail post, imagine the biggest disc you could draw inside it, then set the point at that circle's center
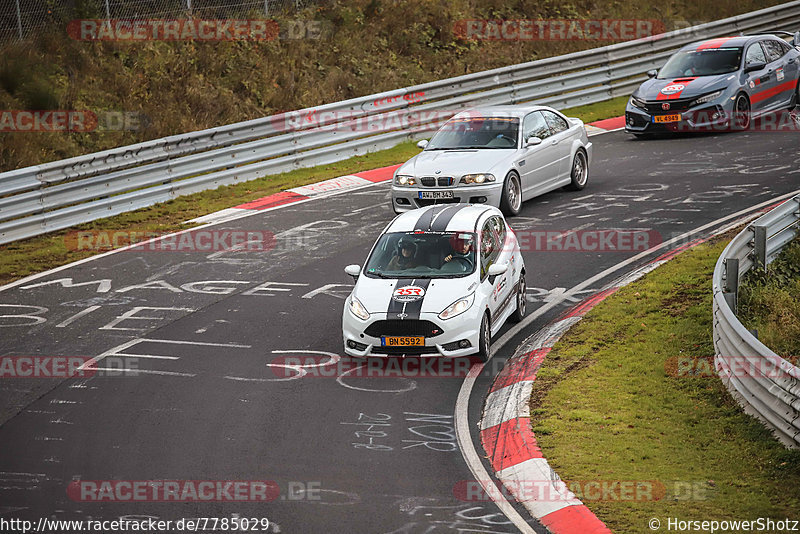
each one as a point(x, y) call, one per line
point(731, 288)
point(760, 246)
point(19, 21)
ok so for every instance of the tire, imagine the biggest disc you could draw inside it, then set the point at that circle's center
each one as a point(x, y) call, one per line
point(579, 175)
point(741, 113)
point(485, 339)
point(795, 97)
point(519, 313)
point(511, 201)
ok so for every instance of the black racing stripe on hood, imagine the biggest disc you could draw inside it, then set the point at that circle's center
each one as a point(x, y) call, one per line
point(424, 221)
point(407, 310)
point(413, 309)
point(396, 307)
point(444, 218)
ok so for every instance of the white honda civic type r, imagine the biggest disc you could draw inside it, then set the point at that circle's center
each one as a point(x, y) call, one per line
point(498, 155)
point(439, 281)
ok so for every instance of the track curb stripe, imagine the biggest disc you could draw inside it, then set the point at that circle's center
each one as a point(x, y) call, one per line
point(304, 192)
point(506, 432)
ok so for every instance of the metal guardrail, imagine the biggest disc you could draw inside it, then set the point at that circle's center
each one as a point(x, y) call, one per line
point(52, 196)
point(766, 385)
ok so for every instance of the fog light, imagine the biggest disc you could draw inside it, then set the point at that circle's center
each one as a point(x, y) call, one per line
point(403, 201)
point(714, 116)
point(351, 343)
point(630, 121)
point(464, 343)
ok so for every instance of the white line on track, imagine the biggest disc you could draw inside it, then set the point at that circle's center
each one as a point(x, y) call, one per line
point(463, 435)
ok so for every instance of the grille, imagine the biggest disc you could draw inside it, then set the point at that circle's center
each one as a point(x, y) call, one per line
point(441, 181)
point(403, 327)
point(404, 351)
point(428, 202)
point(675, 106)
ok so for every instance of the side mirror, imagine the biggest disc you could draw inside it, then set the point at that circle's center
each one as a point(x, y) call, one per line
point(497, 269)
point(652, 73)
point(750, 67)
point(422, 144)
point(533, 141)
point(353, 270)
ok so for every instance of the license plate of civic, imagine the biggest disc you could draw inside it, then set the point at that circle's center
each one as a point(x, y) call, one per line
point(667, 118)
point(435, 195)
point(403, 341)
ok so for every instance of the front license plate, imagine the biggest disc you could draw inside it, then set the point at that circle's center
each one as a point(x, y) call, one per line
point(403, 341)
point(667, 118)
point(435, 195)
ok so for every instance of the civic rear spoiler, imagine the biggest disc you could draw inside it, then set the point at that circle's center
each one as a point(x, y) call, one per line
point(795, 36)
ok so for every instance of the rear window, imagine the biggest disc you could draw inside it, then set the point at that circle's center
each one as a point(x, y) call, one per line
point(706, 62)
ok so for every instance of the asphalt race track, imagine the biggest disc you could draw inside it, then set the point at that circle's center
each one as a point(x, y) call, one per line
point(348, 453)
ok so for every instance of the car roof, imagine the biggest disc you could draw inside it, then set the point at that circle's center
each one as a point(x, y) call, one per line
point(726, 42)
point(441, 218)
point(516, 110)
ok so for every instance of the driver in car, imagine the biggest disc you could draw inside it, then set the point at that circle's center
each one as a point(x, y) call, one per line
point(462, 248)
point(405, 258)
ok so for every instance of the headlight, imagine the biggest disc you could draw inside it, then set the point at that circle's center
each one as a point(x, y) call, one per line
point(477, 178)
point(458, 307)
point(358, 309)
point(638, 102)
point(707, 98)
point(405, 179)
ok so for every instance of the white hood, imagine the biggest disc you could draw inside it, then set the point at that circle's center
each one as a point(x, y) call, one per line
point(455, 163)
point(376, 293)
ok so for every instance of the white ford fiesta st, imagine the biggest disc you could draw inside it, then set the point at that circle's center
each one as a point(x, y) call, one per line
point(498, 155)
point(439, 281)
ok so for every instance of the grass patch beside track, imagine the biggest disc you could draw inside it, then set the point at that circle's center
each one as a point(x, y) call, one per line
point(599, 111)
point(23, 258)
point(769, 302)
point(605, 408)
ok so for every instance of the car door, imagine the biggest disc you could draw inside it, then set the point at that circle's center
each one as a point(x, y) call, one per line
point(560, 142)
point(537, 164)
point(498, 288)
point(758, 81)
point(783, 69)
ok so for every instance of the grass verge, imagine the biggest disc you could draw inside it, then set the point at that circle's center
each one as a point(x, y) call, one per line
point(769, 302)
point(23, 258)
point(608, 405)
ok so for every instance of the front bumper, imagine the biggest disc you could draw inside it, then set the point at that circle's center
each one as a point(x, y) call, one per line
point(462, 327)
point(713, 116)
point(407, 198)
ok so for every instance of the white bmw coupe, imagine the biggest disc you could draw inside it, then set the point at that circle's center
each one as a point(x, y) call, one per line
point(439, 281)
point(500, 155)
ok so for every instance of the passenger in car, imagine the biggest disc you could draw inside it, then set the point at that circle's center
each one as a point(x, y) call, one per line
point(405, 258)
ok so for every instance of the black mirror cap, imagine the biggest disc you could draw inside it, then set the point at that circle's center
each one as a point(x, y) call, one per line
point(754, 66)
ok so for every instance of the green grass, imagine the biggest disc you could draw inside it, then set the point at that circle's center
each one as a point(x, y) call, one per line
point(769, 302)
point(37, 254)
point(605, 407)
point(601, 110)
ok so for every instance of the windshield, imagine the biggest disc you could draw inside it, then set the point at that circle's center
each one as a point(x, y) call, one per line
point(476, 132)
point(422, 255)
point(707, 62)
